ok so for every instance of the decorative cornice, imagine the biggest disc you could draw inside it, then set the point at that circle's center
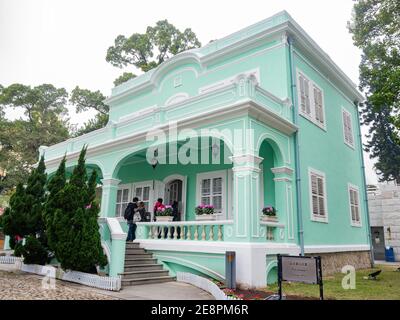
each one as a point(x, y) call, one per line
point(282, 170)
point(240, 108)
point(246, 158)
point(281, 25)
point(246, 169)
point(110, 182)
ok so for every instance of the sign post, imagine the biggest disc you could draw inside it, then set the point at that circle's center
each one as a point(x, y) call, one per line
point(230, 269)
point(300, 269)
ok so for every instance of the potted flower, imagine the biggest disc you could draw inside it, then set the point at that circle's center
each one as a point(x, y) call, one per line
point(164, 213)
point(205, 212)
point(269, 214)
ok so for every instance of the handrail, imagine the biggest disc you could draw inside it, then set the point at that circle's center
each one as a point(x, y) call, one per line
point(272, 224)
point(115, 228)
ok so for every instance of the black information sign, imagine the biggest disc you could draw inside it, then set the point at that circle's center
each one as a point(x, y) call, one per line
point(300, 269)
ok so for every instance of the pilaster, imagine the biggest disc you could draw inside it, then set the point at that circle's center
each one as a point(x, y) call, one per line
point(109, 197)
point(284, 200)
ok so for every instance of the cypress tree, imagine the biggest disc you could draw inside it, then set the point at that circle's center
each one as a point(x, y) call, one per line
point(78, 239)
point(35, 197)
point(13, 220)
point(24, 217)
point(54, 187)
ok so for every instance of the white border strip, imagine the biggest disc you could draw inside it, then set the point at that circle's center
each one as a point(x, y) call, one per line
point(336, 248)
point(203, 284)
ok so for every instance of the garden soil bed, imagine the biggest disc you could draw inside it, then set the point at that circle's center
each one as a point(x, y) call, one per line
point(262, 295)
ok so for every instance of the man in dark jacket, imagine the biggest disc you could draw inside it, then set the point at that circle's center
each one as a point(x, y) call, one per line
point(128, 215)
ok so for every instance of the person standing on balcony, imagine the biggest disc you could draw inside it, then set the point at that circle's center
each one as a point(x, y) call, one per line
point(128, 215)
point(158, 206)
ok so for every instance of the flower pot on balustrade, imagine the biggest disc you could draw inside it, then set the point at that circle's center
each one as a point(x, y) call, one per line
point(164, 218)
point(266, 218)
point(206, 217)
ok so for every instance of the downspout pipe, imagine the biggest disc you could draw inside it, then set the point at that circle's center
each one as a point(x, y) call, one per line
point(365, 190)
point(295, 115)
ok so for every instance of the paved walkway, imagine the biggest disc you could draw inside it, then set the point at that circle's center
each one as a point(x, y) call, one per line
point(163, 291)
point(17, 285)
point(386, 263)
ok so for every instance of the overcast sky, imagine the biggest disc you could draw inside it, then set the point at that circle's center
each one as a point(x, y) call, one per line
point(64, 42)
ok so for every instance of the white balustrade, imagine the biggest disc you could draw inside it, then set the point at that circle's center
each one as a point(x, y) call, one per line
point(185, 230)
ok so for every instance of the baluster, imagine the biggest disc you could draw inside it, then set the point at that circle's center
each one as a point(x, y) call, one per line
point(196, 233)
point(153, 232)
point(270, 234)
point(219, 232)
point(168, 232)
point(211, 234)
point(176, 232)
point(189, 233)
point(162, 232)
point(203, 233)
point(182, 233)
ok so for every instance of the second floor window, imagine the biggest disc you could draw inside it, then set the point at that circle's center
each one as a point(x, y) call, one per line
point(304, 95)
point(311, 100)
point(347, 128)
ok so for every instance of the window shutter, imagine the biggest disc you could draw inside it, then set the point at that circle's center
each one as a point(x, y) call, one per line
point(350, 133)
point(348, 130)
point(318, 195)
point(354, 205)
point(307, 97)
point(319, 114)
point(302, 94)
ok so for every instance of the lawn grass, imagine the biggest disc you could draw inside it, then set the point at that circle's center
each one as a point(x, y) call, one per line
point(386, 287)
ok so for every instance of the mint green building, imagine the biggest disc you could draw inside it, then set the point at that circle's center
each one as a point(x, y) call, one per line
point(260, 117)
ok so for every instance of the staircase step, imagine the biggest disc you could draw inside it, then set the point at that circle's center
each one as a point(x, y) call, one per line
point(141, 261)
point(130, 257)
point(139, 281)
point(144, 274)
point(141, 267)
point(135, 250)
point(132, 244)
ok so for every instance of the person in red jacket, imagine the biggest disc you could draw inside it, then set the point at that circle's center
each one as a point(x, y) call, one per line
point(158, 206)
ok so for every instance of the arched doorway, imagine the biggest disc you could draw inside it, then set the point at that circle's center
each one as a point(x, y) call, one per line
point(175, 190)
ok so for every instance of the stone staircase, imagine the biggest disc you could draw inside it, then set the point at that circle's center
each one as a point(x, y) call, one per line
point(141, 267)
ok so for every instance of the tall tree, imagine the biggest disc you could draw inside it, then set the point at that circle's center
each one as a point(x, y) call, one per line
point(13, 220)
point(123, 78)
point(53, 203)
point(375, 27)
point(85, 100)
point(147, 50)
point(43, 124)
point(78, 245)
point(24, 217)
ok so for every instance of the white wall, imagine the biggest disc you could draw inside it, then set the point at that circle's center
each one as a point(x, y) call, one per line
point(384, 211)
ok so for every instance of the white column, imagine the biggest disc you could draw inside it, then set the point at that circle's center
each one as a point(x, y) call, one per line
point(109, 197)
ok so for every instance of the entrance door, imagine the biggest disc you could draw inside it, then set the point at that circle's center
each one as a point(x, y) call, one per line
point(378, 242)
point(173, 192)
